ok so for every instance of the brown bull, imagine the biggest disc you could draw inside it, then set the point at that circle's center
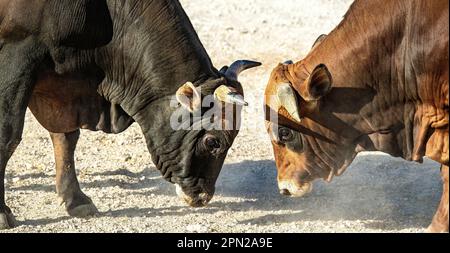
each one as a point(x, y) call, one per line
point(378, 82)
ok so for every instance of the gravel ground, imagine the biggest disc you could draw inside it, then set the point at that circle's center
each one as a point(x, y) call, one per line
point(377, 193)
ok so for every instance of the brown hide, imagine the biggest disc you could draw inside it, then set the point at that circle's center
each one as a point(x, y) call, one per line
point(390, 81)
point(389, 92)
point(67, 103)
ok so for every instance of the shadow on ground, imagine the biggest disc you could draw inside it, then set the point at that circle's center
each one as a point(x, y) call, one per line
point(383, 192)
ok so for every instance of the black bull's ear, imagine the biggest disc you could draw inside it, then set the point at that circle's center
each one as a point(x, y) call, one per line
point(81, 24)
point(189, 97)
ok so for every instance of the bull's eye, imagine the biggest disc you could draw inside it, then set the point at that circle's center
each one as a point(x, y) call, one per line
point(212, 143)
point(285, 134)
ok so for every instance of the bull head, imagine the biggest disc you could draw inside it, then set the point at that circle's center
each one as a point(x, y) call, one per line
point(189, 96)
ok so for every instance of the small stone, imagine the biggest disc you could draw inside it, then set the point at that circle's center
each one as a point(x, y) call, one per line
point(197, 228)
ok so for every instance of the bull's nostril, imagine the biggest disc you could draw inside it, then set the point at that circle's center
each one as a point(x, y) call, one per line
point(285, 192)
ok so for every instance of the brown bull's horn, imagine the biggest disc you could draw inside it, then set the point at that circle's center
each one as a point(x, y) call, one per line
point(229, 95)
point(238, 66)
point(319, 40)
point(288, 100)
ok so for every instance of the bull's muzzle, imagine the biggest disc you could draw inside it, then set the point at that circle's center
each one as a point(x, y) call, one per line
point(290, 188)
point(198, 200)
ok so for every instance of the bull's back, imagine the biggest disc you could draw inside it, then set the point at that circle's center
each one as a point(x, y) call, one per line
point(19, 18)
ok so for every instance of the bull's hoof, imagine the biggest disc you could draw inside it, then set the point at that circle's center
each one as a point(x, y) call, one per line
point(83, 211)
point(81, 206)
point(433, 229)
point(7, 221)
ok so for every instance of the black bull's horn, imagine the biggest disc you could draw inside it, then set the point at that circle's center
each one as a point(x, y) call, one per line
point(229, 94)
point(237, 67)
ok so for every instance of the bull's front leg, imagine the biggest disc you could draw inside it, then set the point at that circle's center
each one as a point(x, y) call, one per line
point(67, 186)
point(440, 220)
point(17, 66)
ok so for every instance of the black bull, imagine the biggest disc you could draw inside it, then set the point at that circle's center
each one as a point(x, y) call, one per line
point(52, 60)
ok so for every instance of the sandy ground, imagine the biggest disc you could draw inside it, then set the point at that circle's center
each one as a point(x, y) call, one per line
point(377, 193)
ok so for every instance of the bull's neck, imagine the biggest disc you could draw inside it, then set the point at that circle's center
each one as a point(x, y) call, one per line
point(154, 51)
point(360, 55)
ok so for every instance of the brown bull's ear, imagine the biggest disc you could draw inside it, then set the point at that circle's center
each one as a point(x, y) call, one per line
point(318, 84)
point(189, 97)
